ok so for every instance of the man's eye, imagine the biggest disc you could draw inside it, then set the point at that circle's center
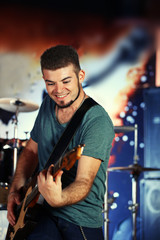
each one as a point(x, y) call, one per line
point(50, 84)
point(66, 82)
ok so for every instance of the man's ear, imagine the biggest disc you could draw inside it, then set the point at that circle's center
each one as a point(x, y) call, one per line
point(81, 76)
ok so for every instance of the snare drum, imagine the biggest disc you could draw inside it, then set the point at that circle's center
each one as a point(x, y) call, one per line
point(4, 190)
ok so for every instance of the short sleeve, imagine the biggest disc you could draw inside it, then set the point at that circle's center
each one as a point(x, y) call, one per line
point(98, 136)
point(34, 132)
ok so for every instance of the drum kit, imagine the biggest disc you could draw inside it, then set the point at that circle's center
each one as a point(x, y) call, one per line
point(134, 170)
point(9, 148)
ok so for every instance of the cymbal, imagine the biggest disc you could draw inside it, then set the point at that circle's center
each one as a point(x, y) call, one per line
point(12, 104)
point(123, 129)
point(135, 168)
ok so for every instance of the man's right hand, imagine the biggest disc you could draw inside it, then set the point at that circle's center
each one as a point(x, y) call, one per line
point(13, 200)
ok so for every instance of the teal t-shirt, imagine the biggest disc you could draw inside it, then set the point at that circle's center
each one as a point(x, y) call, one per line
point(96, 132)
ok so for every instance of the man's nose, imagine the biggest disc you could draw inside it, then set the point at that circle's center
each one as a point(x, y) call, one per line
point(59, 87)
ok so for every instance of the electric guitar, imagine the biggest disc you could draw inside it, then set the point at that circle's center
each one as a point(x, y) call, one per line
point(24, 225)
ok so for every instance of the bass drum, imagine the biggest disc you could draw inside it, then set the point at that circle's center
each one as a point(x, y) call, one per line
point(3, 224)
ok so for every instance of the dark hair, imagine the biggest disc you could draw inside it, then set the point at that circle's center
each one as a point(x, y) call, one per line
point(58, 57)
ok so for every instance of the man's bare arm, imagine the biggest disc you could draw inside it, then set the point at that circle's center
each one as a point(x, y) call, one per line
point(76, 191)
point(26, 164)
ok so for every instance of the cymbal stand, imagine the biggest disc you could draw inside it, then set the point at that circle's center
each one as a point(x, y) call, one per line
point(15, 146)
point(26, 134)
point(134, 175)
point(136, 157)
point(6, 134)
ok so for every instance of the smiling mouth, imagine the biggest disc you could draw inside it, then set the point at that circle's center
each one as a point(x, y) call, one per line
point(61, 96)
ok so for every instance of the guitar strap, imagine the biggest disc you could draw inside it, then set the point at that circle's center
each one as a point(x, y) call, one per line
point(66, 137)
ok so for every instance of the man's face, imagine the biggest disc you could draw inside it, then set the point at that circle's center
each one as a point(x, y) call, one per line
point(63, 84)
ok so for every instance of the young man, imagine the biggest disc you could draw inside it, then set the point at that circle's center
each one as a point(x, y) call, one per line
point(74, 199)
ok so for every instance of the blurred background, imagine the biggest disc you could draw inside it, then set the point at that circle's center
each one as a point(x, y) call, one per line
point(119, 49)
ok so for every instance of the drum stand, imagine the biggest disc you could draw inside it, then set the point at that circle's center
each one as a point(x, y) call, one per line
point(134, 206)
point(15, 145)
point(135, 171)
point(135, 175)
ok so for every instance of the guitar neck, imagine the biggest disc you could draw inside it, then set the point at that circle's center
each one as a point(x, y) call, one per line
point(57, 167)
point(32, 196)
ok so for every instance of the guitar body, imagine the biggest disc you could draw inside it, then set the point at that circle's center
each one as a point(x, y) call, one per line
point(26, 221)
point(21, 233)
